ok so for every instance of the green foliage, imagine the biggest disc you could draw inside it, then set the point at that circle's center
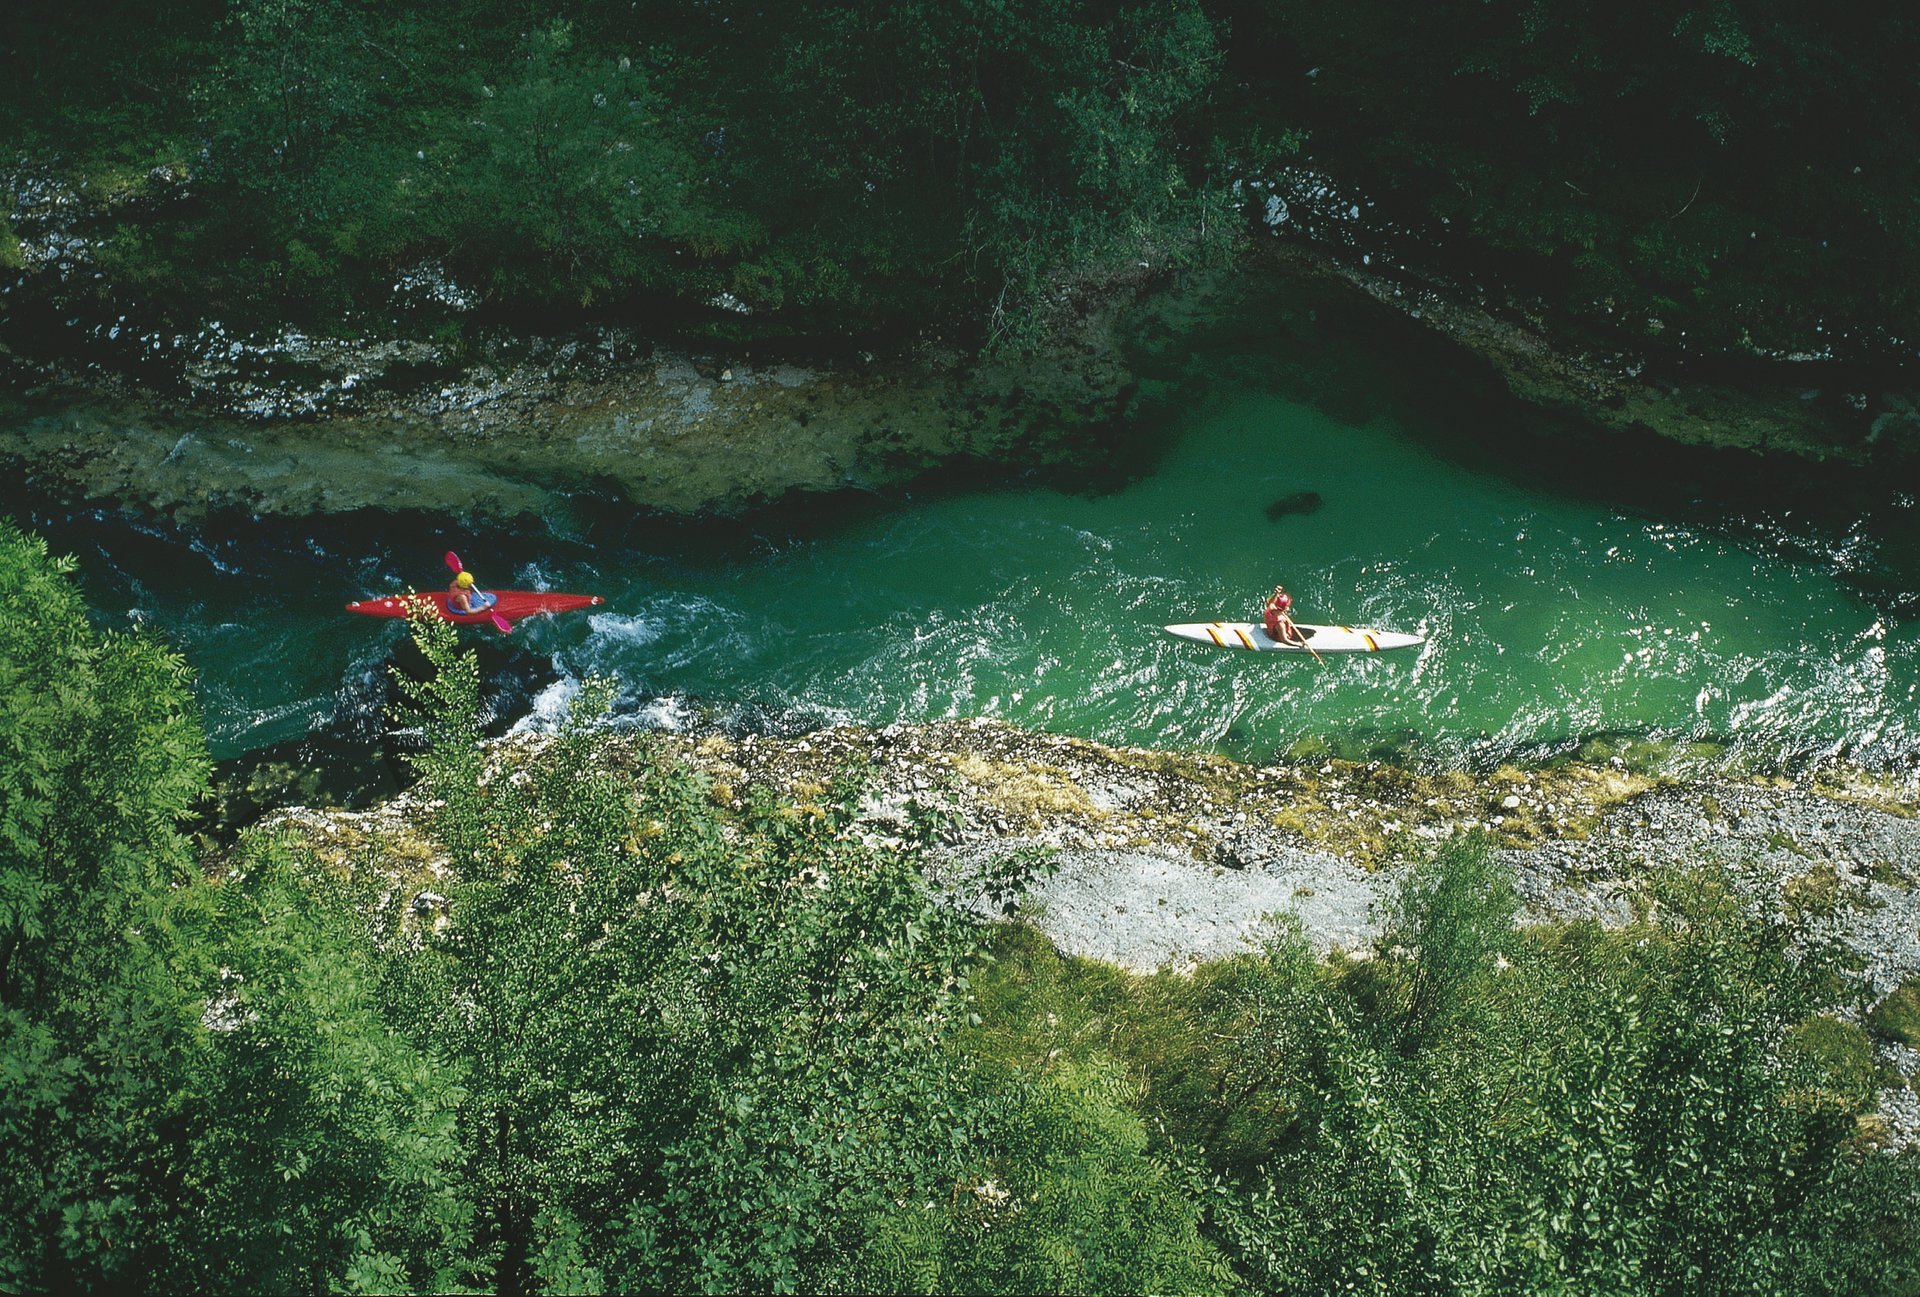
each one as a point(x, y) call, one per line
point(1837, 1059)
point(694, 1060)
point(830, 167)
point(1736, 169)
point(1451, 917)
point(101, 754)
point(99, 758)
point(1708, 164)
point(1073, 1200)
point(199, 1093)
point(1092, 170)
point(294, 80)
point(1627, 1112)
point(1039, 1006)
point(1898, 1016)
point(575, 180)
point(331, 1146)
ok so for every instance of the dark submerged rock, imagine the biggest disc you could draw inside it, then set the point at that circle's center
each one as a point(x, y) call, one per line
point(1300, 502)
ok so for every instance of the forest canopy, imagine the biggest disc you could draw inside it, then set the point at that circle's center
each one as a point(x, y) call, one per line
point(1731, 176)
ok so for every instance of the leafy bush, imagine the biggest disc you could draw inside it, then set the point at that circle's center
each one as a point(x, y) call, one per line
point(1073, 1199)
point(200, 1093)
point(1618, 1111)
point(329, 1153)
point(99, 757)
point(696, 1057)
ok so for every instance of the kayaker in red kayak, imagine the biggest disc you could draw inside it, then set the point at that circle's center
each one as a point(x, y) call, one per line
point(1279, 625)
point(462, 597)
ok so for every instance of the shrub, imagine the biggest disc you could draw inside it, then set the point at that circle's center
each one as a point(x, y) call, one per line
point(1637, 1111)
point(1897, 1017)
point(697, 1057)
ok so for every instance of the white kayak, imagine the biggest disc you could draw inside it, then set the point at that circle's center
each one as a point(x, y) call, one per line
point(1324, 639)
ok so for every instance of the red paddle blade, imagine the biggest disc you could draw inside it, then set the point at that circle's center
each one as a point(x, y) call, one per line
point(501, 624)
point(453, 562)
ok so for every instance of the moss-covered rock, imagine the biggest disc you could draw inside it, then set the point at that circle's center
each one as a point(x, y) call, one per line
point(1840, 1057)
point(1897, 1017)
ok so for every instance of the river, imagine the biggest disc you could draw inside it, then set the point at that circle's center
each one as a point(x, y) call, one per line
point(1562, 606)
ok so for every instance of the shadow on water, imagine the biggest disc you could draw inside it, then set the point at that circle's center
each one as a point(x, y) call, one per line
point(362, 753)
point(1359, 362)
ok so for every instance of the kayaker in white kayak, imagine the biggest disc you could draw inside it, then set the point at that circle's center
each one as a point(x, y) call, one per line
point(462, 597)
point(1279, 625)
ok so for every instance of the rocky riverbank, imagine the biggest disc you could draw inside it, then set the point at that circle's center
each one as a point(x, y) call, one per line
point(1638, 379)
point(124, 403)
point(120, 400)
point(658, 430)
point(1166, 859)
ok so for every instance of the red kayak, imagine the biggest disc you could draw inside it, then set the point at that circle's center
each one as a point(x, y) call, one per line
point(510, 604)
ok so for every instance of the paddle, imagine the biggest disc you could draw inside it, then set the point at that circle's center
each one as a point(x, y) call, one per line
point(455, 566)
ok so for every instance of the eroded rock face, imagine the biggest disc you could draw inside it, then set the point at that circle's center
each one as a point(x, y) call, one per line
point(136, 407)
point(1800, 407)
point(128, 404)
point(654, 428)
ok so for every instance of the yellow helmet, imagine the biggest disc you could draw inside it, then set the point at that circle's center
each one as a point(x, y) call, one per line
point(464, 580)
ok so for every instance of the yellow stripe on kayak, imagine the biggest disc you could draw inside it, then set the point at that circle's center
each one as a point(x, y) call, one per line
point(1244, 637)
point(1371, 646)
point(1215, 632)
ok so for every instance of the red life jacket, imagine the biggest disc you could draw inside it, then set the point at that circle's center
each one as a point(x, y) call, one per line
point(1273, 611)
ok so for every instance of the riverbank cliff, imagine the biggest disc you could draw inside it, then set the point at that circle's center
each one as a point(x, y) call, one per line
point(113, 400)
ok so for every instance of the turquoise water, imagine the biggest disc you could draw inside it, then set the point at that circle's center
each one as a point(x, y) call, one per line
point(1549, 616)
point(1546, 618)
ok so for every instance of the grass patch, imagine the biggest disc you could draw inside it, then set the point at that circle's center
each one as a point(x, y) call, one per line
point(1897, 1017)
point(1815, 893)
point(1038, 1006)
point(1027, 792)
point(1042, 1012)
point(1883, 872)
point(1839, 1057)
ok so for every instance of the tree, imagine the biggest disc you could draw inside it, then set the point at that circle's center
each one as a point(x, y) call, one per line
point(326, 1157)
point(1066, 1195)
point(196, 1091)
point(575, 183)
point(294, 80)
point(100, 757)
point(1634, 1111)
point(698, 1056)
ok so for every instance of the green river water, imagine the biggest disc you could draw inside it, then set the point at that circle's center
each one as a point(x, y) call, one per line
point(1553, 616)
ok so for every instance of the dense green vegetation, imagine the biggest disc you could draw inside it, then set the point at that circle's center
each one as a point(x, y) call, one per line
point(1712, 174)
point(834, 167)
point(638, 1039)
point(1737, 171)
